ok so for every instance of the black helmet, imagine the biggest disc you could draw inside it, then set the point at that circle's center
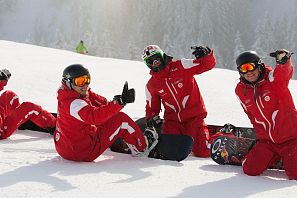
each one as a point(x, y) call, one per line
point(248, 57)
point(73, 71)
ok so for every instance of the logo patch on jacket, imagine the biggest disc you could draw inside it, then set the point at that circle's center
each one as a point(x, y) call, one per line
point(179, 83)
point(266, 98)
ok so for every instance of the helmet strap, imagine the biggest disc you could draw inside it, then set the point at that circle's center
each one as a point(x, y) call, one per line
point(68, 83)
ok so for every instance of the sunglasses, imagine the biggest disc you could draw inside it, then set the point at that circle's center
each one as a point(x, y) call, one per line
point(150, 60)
point(247, 67)
point(82, 80)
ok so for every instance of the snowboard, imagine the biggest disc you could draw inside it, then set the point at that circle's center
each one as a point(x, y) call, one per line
point(231, 150)
point(169, 147)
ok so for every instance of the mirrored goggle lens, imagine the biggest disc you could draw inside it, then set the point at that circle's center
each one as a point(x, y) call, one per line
point(82, 80)
point(247, 67)
point(150, 60)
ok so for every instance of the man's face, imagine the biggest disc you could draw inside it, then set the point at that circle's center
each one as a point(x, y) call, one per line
point(252, 76)
point(83, 91)
point(156, 62)
point(80, 84)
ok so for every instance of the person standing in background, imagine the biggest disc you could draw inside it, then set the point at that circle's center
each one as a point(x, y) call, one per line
point(81, 48)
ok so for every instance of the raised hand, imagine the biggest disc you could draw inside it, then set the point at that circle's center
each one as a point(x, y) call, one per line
point(281, 56)
point(200, 51)
point(127, 96)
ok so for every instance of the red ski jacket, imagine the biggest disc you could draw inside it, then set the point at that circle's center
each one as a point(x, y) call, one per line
point(177, 89)
point(78, 120)
point(269, 104)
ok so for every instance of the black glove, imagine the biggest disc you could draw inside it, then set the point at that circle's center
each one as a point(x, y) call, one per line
point(128, 96)
point(4, 74)
point(281, 56)
point(155, 121)
point(200, 51)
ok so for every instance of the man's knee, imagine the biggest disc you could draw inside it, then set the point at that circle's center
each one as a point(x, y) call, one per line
point(11, 98)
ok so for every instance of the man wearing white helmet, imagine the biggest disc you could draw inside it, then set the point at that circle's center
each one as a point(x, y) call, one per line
point(172, 83)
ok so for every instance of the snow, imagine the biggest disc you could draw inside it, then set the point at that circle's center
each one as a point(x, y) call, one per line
point(30, 166)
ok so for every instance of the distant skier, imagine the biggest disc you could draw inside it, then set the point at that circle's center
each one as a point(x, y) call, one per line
point(88, 123)
point(172, 83)
point(81, 48)
point(266, 99)
point(13, 113)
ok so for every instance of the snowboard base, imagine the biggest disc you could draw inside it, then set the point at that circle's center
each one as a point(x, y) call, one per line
point(230, 150)
point(169, 147)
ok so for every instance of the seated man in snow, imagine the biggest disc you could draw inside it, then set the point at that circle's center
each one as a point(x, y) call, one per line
point(13, 113)
point(88, 124)
point(266, 99)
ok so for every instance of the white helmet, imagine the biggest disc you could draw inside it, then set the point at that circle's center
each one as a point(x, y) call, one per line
point(151, 50)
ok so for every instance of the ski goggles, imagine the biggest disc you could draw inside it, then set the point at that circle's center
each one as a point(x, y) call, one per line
point(247, 67)
point(152, 59)
point(80, 81)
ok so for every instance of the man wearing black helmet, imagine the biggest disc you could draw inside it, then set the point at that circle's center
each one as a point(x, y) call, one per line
point(266, 99)
point(88, 124)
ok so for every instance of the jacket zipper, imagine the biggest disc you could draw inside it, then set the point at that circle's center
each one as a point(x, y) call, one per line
point(179, 109)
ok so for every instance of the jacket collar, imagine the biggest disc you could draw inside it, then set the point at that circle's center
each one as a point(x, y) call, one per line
point(65, 92)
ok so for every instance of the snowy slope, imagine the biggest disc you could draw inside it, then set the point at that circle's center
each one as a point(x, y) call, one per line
point(30, 167)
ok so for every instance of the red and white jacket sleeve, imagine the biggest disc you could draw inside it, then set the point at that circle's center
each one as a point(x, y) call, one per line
point(198, 66)
point(91, 114)
point(282, 74)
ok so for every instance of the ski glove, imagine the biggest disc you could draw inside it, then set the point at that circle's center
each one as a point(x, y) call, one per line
point(200, 51)
point(4, 74)
point(128, 96)
point(155, 121)
point(281, 56)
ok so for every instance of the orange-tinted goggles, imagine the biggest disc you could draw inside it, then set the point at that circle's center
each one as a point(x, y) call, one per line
point(82, 80)
point(247, 67)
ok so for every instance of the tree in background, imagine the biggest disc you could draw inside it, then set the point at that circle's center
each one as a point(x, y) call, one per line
point(120, 29)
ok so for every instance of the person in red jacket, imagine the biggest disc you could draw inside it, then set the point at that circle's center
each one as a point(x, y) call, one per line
point(264, 95)
point(172, 83)
point(13, 113)
point(88, 124)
